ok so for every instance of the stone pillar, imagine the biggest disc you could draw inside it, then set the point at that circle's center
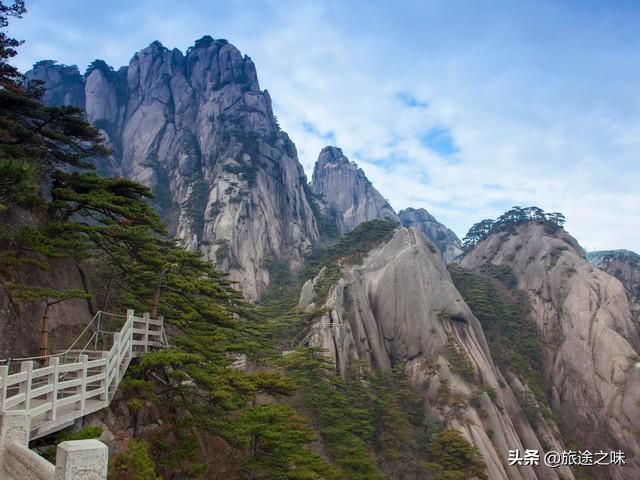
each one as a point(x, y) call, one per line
point(82, 460)
point(14, 427)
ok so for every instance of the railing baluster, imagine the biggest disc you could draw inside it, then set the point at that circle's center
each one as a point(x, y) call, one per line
point(25, 386)
point(116, 342)
point(145, 317)
point(83, 383)
point(4, 373)
point(53, 380)
point(105, 379)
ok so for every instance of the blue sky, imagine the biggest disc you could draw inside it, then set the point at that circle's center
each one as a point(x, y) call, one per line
point(462, 107)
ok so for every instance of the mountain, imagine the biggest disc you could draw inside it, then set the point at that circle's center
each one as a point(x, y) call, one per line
point(447, 242)
point(518, 344)
point(63, 83)
point(346, 194)
point(590, 342)
point(198, 130)
point(625, 266)
point(399, 306)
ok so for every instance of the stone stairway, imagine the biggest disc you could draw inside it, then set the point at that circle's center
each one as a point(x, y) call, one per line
point(52, 393)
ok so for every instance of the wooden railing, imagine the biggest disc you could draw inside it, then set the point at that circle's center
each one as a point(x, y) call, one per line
point(79, 382)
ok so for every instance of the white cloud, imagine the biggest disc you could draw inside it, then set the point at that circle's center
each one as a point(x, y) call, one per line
point(543, 111)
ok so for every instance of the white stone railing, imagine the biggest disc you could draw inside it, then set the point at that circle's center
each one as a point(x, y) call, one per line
point(52, 397)
point(75, 460)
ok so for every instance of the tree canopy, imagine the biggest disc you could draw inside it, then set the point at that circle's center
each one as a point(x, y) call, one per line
point(508, 220)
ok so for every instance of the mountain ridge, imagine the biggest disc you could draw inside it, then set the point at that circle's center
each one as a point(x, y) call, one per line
point(198, 130)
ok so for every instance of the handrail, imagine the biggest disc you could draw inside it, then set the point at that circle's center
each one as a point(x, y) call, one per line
point(63, 391)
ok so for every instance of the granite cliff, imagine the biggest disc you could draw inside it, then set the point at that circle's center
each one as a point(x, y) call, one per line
point(344, 192)
point(198, 130)
point(400, 307)
point(447, 242)
point(625, 266)
point(590, 341)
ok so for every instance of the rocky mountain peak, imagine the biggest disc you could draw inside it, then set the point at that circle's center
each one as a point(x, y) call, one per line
point(64, 84)
point(401, 307)
point(345, 192)
point(445, 239)
point(331, 155)
point(197, 129)
point(590, 341)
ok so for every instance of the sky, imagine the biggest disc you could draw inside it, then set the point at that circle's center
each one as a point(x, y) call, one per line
point(464, 108)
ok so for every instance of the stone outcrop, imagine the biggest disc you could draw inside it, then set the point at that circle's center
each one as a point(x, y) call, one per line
point(625, 266)
point(447, 242)
point(63, 84)
point(198, 130)
point(401, 306)
point(345, 193)
point(590, 340)
point(20, 320)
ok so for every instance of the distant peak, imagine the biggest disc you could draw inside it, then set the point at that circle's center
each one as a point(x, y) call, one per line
point(157, 44)
point(331, 154)
point(59, 67)
point(612, 254)
point(207, 40)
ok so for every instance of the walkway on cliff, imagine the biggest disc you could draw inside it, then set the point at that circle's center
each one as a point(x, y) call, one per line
point(77, 382)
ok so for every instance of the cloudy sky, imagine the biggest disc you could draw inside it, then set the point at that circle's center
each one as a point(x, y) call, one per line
point(462, 107)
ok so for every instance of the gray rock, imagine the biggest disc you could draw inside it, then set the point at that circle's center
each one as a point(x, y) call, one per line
point(447, 242)
point(400, 306)
point(625, 266)
point(590, 340)
point(308, 292)
point(346, 193)
point(20, 321)
point(64, 84)
point(198, 130)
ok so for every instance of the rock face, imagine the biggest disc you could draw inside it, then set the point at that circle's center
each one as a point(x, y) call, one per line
point(20, 321)
point(345, 192)
point(400, 306)
point(198, 130)
point(625, 266)
point(590, 341)
point(64, 84)
point(447, 242)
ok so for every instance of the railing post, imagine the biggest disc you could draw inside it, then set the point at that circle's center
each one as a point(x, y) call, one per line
point(130, 315)
point(145, 317)
point(78, 459)
point(4, 373)
point(116, 342)
point(163, 338)
point(53, 381)
point(14, 427)
point(105, 395)
point(25, 387)
point(83, 383)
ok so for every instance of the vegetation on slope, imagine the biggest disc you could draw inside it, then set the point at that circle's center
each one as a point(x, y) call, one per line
point(372, 424)
point(514, 341)
point(376, 426)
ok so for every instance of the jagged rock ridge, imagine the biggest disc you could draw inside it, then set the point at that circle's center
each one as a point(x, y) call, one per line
point(445, 239)
point(198, 130)
point(591, 344)
point(346, 194)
